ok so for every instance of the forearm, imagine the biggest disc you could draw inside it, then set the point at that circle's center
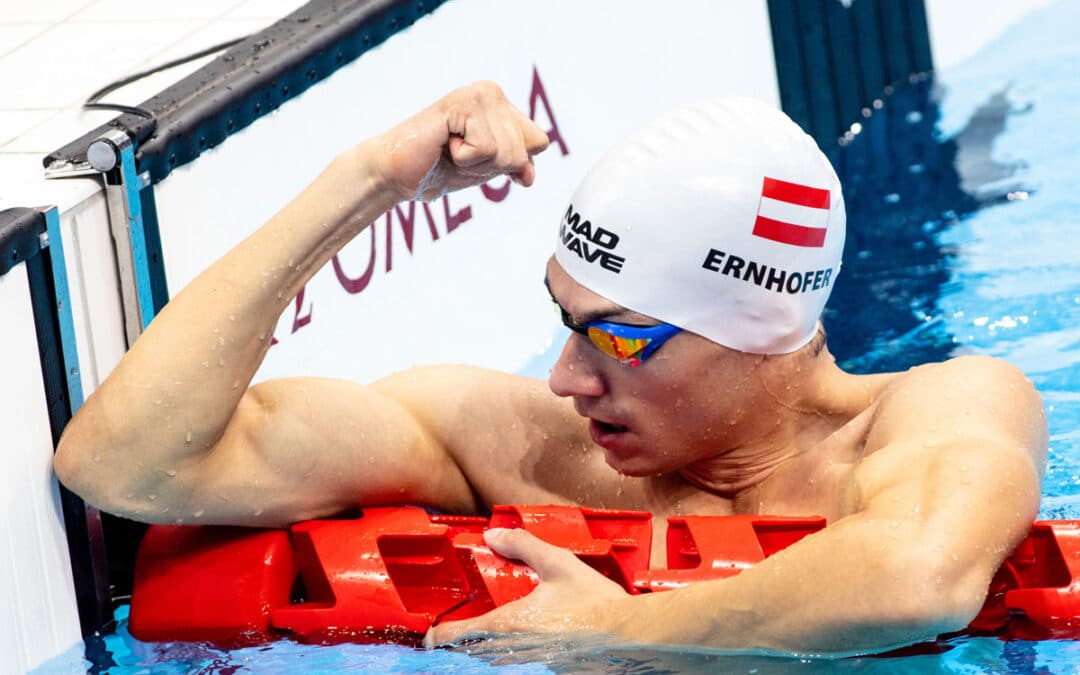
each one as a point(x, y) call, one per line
point(172, 395)
point(849, 588)
point(175, 423)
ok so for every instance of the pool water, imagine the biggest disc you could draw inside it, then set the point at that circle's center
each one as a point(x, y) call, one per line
point(963, 228)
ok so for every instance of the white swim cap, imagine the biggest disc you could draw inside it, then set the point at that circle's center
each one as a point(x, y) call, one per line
point(724, 219)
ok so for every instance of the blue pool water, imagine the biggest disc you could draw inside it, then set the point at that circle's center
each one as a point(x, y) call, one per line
point(963, 239)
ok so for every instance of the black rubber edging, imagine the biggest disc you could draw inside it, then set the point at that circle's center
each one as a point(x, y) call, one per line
point(20, 243)
point(833, 60)
point(20, 229)
point(253, 78)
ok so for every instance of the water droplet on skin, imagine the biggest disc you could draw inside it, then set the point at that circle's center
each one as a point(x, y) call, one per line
point(187, 438)
point(257, 512)
point(179, 521)
point(221, 363)
point(97, 458)
point(262, 337)
point(199, 513)
point(570, 366)
point(371, 460)
point(157, 402)
point(236, 384)
point(171, 473)
point(151, 497)
point(232, 317)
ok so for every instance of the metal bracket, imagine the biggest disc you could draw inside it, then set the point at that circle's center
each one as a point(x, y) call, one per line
point(112, 155)
point(86, 538)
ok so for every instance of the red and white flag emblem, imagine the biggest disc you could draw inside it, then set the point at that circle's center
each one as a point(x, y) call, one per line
point(792, 214)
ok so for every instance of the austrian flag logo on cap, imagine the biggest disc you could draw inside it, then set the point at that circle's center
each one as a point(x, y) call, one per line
point(793, 214)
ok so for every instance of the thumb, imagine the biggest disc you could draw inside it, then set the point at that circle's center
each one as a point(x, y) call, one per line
point(547, 560)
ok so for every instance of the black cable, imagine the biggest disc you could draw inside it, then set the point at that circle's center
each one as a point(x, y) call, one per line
point(134, 110)
point(92, 102)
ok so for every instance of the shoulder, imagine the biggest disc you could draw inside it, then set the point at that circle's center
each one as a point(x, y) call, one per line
point(510, 435)
point(974, 401)
point(967, 390)
point(456, 390)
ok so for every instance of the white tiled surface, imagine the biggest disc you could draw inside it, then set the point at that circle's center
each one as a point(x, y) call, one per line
point(126, 10)
point(14, 123)
point(55, 53)
point(14, 35)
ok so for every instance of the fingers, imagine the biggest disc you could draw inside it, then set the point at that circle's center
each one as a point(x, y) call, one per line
point(547, 560)
point(526, 176)
point(489, 137)
point(536, 139)
point(454, 631)
point(471, 136)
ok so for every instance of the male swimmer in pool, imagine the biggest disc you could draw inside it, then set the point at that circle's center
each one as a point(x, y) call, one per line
point(928, 478)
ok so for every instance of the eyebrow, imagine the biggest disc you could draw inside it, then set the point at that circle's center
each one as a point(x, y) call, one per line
point(591, 315)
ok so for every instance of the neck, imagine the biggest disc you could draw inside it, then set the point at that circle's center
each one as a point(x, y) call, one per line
point(737, 470)
point(800, 401)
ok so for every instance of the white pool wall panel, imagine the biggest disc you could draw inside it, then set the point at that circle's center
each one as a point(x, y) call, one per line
point(475, 295)
point(39, 616)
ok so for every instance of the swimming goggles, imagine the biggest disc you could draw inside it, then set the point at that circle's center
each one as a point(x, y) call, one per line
point(625, 343)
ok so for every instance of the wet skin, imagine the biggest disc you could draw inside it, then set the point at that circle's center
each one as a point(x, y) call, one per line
point(928, 478)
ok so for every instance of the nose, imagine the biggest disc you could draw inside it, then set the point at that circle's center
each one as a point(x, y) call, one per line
point(575, 374)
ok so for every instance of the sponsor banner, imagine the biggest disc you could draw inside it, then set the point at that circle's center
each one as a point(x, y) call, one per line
point(460, 279)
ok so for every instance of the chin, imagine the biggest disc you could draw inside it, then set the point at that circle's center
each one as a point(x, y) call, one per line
point(634, 467)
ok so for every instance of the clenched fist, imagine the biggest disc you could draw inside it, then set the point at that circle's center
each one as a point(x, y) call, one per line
point(470, 136)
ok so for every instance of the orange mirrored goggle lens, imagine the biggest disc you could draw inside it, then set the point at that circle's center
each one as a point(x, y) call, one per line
point(620, 348)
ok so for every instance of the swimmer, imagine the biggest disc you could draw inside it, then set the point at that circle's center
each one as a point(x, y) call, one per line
point(692, 266)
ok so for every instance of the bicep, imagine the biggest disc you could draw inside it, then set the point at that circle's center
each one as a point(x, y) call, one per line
point(968, 504)
point(954, 461)
point(513, 439)
point(302, 448)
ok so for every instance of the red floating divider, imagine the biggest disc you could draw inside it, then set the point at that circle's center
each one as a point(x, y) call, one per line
point(210, 583)
point(1047, 565)
point(710, 547)
point(392, 570)
point(397, 570)
point(615, 543)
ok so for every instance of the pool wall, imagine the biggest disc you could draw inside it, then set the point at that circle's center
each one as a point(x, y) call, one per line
point(587, 72)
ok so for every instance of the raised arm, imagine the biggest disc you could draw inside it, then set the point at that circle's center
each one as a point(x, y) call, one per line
point(950, 486)
point(174, 433)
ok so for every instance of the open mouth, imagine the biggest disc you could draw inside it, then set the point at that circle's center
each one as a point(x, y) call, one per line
point(609, 428)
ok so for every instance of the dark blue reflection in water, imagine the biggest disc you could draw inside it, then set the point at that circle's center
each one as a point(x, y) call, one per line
point(903, 186)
